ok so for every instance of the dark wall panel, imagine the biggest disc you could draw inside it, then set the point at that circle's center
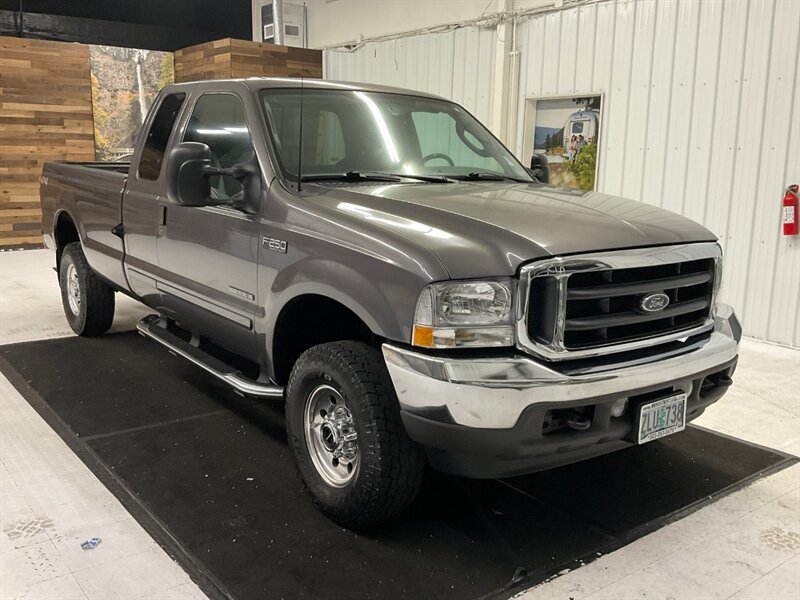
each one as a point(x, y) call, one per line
point(150, 24)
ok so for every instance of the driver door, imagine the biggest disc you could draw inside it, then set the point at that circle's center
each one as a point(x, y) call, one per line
point(208, 255)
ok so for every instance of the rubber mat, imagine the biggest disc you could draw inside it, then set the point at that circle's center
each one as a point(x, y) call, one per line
point(209, 475)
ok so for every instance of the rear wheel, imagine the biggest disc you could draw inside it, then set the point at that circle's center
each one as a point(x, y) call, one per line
point(88, 301)
point(344, 428)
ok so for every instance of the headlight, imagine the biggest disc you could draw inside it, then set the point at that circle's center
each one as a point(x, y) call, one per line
point(464, 314)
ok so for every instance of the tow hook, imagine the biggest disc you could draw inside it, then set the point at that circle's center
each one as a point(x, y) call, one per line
point(575, 419)
point(715, 380)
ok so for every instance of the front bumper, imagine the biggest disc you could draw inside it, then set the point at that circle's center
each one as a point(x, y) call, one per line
point(485, 417)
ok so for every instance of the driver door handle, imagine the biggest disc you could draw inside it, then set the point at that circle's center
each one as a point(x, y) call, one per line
point(162, 219)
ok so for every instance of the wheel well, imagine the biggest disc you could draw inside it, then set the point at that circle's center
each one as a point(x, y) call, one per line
point(65, 233)
point(310, 320)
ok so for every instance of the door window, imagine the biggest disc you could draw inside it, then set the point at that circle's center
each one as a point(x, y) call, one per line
point(577, 127)
point(218, 121)
point(157, 138)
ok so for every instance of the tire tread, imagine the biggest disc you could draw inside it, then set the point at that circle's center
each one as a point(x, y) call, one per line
point(98, 312)
point(398, 467)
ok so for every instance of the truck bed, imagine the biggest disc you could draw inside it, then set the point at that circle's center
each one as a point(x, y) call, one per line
point(90, 195)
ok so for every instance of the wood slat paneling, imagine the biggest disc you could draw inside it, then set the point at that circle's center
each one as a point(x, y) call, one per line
point(45, 114)
point(240, 58)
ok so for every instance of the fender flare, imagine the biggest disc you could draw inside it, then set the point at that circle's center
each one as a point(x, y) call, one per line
point(385, 317)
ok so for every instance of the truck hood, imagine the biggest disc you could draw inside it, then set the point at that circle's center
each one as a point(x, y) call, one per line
point(490, 228)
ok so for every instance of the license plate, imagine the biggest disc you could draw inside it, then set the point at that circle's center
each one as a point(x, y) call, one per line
point(661, 418)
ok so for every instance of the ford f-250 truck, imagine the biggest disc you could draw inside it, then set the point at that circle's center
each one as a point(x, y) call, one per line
point(379, 260)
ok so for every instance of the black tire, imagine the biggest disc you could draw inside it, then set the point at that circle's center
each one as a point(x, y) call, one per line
point(391, 465)
point(93, 312)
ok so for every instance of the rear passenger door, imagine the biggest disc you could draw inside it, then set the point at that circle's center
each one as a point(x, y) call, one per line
point(208, 255)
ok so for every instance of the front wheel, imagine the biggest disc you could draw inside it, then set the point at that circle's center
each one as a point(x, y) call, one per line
point(350, 448)
point(88, 301)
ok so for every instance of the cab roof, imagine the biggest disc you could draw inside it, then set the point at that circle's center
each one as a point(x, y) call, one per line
point(257, 83)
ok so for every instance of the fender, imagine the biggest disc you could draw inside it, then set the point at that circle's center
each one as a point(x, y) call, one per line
point(384, 299)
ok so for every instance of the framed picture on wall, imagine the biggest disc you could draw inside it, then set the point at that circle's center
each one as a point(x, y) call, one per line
point(125, 81)
point(566, 130)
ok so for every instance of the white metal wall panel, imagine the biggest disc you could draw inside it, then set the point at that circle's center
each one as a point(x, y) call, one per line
point(701, 116)
point(472, 74)
point(704, 109)
point(569, 50)
point(584, 60)
point(457, 64)
point(778, 261)
point(619, 86)
point(658, 112)
point(552, 52)
point(771, 163)
point(722, 143)
point(680, 114)
point(639, 91)
point(749, 145)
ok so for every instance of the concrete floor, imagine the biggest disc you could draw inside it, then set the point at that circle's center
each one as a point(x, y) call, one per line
point(746, 545)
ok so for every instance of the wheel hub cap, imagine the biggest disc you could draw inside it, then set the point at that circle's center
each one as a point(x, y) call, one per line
point(73, 290)
point(331, 436)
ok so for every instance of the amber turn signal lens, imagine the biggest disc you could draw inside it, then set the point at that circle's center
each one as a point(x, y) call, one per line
point(423, 336)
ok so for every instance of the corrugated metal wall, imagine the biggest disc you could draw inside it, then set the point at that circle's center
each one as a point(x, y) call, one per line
point(701, 116)
point(456, 64)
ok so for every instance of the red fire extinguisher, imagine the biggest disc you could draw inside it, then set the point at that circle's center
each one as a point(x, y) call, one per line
point(790, 210)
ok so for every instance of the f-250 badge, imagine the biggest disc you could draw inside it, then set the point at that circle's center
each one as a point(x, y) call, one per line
point(274, 244)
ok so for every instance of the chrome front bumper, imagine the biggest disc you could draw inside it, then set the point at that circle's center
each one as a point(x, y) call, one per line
point(492, 393)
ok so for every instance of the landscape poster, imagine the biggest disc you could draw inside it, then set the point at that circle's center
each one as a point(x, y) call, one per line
point(125, 81)
point(567, 132)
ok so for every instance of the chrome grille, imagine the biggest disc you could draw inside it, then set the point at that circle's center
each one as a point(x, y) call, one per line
point(590, 304)
point(603, 307)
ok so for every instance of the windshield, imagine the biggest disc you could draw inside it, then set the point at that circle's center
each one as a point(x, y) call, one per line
point(365, 132)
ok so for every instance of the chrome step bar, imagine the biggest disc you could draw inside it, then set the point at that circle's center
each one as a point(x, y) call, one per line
point(153, 327)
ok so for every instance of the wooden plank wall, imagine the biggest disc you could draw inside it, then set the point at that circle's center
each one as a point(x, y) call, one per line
point(204, 61)
point(241, 58)
point(46, 109)
point(45, 114)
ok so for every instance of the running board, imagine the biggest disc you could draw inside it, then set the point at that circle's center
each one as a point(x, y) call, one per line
point(153, 327)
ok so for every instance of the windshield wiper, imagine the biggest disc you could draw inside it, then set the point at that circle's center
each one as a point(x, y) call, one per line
point(352, 176)
point(377, 176)
point(484, 176)
point(426, 178)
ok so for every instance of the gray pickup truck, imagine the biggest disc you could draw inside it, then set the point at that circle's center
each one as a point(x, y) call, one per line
point(377, 259)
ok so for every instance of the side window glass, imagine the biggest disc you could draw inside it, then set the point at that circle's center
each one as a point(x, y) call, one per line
point(218, 121)
point(157, 138)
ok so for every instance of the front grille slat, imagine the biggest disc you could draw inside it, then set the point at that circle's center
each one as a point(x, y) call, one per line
point(620, 319)
point(609, 291)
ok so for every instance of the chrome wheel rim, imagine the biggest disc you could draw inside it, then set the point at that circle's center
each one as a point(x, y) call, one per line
point(331, 436)
point(73, 290)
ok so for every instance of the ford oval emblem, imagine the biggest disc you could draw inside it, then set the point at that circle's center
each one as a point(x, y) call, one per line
point(654, 302)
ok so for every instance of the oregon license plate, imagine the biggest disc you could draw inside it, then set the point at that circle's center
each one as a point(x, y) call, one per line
point(661, 418)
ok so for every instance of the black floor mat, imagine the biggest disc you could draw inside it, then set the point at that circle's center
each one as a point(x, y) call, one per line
point(210, 477)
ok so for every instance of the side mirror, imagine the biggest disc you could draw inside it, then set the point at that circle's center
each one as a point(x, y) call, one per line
point(540, 168)
point(189, 166)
